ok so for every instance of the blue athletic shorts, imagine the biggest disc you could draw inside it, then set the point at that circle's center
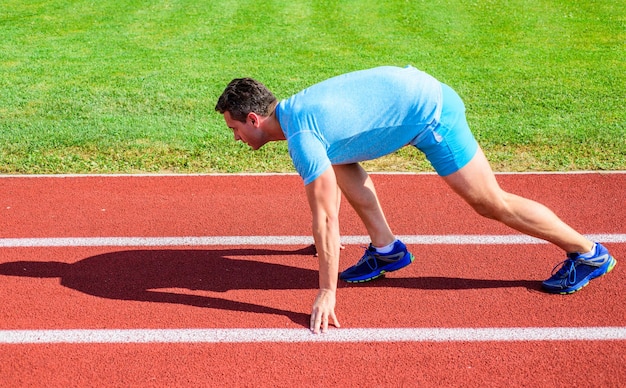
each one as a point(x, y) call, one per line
point(450, 145)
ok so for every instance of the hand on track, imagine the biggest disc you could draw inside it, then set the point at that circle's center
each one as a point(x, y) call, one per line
point(323, 311)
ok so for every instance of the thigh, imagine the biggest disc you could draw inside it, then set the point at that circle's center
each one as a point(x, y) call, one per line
point(351, 178)
point(475, 182)
point(358, 189)
point(356, 184)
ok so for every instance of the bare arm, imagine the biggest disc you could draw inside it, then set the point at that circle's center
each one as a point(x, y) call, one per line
point(322, 197)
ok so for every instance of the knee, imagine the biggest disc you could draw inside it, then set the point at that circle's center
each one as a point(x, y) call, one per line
point(492, 208)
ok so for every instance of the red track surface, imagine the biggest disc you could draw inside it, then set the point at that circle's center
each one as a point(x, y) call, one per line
point(452, 286)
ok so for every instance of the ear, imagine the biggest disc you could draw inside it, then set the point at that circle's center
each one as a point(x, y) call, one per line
point(254, 118)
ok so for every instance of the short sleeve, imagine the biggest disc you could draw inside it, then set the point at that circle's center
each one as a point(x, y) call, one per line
point(308, 154)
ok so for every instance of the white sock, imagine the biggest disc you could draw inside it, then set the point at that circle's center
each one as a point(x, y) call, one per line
point(589, 254)
point(386, 248)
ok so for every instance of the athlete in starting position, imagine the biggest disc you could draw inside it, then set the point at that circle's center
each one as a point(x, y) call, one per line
point(332, 126)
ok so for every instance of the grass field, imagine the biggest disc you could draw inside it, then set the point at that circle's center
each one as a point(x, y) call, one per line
point(130, 86)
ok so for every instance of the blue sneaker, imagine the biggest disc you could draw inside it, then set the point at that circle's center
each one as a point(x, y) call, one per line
point(374, 264)
point(576, 272)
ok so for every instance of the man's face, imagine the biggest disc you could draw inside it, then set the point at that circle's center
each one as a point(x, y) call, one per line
point(247, 132)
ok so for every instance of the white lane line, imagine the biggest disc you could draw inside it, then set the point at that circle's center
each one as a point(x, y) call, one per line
point(82, 336)
point(270, 174)
point(275, 240)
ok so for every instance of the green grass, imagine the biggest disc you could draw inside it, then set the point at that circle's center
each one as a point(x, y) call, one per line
point(129, 86)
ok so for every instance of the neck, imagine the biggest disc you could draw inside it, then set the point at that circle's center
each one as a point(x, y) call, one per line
point(272, 127)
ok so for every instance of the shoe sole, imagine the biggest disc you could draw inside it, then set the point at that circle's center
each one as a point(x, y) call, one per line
point(586, 280)
point(388, 268)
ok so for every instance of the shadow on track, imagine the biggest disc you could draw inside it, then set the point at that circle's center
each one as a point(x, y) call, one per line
point(146, 275)
point(448, 283)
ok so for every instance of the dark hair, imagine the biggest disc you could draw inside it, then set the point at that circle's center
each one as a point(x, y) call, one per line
point(245, 95)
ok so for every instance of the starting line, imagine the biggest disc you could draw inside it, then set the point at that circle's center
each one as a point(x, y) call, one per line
point(213, 336)
point(277, 240)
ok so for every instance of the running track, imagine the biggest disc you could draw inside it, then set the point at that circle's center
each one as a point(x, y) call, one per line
point(208, 281)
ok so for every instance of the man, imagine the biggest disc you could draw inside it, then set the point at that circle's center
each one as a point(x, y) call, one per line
point(332, 126)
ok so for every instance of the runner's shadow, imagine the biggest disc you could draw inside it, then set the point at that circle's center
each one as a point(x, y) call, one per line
point(150, 276)
point(161, 276)
point(450, 283)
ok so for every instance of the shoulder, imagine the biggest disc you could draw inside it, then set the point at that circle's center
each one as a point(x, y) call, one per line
point(308, 153)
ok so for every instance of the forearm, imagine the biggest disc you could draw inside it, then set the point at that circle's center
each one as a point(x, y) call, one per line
point(326, 234)
point(322, 196)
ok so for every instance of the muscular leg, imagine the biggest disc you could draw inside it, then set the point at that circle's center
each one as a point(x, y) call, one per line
point(359, 190)
point(476, 183)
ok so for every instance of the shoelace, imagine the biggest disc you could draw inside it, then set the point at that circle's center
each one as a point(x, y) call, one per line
point(568, 269)
point(366, 259)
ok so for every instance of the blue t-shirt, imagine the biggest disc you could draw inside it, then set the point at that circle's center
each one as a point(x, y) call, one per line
point(357, 116)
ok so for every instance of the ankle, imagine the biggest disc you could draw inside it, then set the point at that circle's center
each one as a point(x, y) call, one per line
point(385, 249)
point(590, 254)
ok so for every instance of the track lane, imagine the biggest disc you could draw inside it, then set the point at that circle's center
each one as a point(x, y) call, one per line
point(230, 287)
point(273, 286)
point(537, 364)
point(415, 204)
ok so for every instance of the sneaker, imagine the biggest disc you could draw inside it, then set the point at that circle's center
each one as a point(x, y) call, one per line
point(374, 264)
point(576, 272)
